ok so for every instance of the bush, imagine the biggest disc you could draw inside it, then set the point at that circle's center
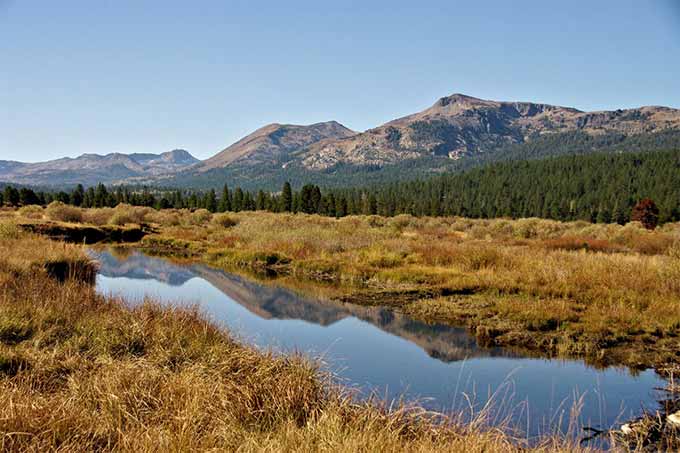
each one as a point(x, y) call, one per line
point(31, 211)
point(647, 213)
point(200, 217)
point(63, 212)
point(225, 220)
point(653, 244)
point(124, 213)
point(98, 216)
point(402, 221)
point(165, 217)
point(477, 257)
point(526, 228)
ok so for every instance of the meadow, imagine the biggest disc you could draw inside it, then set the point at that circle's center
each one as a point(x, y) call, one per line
point(83, 372)
point(603, 292)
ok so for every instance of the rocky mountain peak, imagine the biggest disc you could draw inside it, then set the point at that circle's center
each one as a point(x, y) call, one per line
point(273, 142)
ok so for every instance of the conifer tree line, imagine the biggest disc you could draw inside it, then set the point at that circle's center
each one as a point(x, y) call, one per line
point(597, 188)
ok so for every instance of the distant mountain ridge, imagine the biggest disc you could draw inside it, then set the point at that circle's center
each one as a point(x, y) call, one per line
point(460, 126)
point(91, 169)
point(455, 133)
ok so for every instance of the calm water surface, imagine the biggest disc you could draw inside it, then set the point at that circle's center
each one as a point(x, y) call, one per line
point(378, 350)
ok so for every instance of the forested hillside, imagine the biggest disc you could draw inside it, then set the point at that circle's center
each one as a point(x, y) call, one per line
point(598, 187)
point(270, 177)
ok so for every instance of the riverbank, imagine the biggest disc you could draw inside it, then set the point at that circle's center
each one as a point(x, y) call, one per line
point(82, 372)
point(605, 293)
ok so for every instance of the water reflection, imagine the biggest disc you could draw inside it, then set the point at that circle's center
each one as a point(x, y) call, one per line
point(377, 349)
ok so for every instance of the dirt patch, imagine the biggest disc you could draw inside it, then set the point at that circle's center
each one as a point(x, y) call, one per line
point(390, 298)
point(85, 234)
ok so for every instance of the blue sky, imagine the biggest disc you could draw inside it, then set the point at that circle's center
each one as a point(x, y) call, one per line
point(150, 76)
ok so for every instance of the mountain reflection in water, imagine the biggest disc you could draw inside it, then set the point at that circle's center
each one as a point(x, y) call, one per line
point(442, 342)
point(376, 349)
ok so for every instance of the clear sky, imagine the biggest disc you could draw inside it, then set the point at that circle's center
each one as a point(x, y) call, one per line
point(81, 76)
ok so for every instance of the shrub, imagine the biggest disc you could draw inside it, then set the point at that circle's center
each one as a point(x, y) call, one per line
point(31, 211)
point(124, 213)
point(476, 257)
point(480, 232)
point(502, 227)
point(402, 221)
point(526, 228)
point(63, 212)
point(653, 244)
point(225, 220)
point(375, 221)
point(99, 216)
point(200, 217)
point(646, 213)
point(119, 218)
point(165, 217)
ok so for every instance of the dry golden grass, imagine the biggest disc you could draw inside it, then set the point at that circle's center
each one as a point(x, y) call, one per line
point(619, 285)
point(63, 212)
point(32, 212)
point(616, 285)
point(29, 253)
point(80, 372)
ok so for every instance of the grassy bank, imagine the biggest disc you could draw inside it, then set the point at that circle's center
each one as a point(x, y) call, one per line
point(607, 293)
point(80, 372)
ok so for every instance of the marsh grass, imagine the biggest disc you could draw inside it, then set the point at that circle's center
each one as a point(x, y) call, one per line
point(63, 212)
point(579, 288)
point(564, 288)
point(82, 372)
point(30, 253)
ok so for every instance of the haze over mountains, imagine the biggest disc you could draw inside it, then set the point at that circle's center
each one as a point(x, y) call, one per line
point(457, 132)
point(90, 169)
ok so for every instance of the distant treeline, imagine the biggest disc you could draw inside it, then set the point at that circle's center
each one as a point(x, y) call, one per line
point(596, 187)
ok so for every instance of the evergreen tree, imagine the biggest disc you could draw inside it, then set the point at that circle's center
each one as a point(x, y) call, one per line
point(27, 197)
point(211, 201)
point(286, 198)
point(618, 215)
point(78, 195)
point(261, 201)
point(88, 200)
point(237, 203)
point(11, 196)
point(101, 196)
point(225, 200)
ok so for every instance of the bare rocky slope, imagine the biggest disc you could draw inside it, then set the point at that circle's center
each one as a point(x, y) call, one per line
point(274, 142)
point(461, 126)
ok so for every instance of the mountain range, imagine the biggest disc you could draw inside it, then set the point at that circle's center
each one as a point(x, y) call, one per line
point(455, 133)
point(90, 169)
